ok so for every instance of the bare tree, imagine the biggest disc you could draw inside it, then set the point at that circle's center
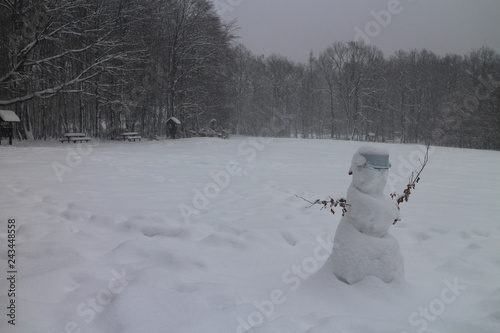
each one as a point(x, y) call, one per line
point(348, 70)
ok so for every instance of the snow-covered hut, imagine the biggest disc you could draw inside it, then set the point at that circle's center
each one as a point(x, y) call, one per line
point(7, 120)
point(173, 121)
point(172, 124)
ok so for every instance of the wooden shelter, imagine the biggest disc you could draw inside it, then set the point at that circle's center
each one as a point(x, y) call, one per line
point(7, 120)
point(172, 124)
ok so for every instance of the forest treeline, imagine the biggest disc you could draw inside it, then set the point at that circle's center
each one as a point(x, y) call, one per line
point(98, 67)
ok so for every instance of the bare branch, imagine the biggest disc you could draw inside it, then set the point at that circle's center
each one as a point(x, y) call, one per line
point(331, 203)
point(412, 182)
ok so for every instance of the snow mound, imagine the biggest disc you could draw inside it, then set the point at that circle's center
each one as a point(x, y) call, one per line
point(357, 255)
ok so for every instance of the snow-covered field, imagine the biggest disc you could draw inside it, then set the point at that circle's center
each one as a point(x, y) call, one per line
point(207, 235)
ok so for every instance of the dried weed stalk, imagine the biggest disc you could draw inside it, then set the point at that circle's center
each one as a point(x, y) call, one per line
point(332, 203)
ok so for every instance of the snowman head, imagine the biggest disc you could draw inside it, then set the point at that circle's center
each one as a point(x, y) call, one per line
point(370, 169)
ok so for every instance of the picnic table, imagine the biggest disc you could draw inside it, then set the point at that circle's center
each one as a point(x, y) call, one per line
point(129, 136)
point(75, 137)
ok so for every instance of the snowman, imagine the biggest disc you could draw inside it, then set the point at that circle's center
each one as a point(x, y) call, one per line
point(362, 244)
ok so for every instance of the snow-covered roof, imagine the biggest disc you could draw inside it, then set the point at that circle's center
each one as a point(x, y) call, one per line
point(6, 115)
point(175, 120)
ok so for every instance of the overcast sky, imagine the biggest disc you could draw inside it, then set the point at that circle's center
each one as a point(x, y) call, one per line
point(294, 27)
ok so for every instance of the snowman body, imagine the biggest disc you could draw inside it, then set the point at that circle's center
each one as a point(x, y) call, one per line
point(363, 245)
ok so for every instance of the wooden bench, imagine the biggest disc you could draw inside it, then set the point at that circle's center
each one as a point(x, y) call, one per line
point(75, 137)
point(129, 136)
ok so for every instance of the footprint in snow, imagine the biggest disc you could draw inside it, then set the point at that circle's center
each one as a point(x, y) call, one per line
point(474, 233)
point(289, 238)
point(473, 246)
point(465, 234)
point(219, 239)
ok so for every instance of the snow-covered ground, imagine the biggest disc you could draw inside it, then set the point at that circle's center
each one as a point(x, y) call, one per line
point(207, 235)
